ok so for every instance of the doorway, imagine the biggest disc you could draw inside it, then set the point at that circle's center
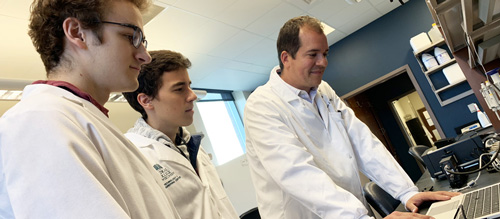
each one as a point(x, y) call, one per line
point(414, 120)
point(372, 104)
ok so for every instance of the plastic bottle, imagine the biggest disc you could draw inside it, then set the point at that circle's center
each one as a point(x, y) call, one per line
point(429, 61)
point(435, 34)
point(483, 119)
point(441, 55)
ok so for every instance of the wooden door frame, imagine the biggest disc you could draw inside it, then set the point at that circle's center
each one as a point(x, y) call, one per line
point(401, 70)
point(421, 115)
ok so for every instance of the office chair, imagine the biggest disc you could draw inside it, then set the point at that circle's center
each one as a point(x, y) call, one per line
point(380, 200)
point(251, 214)
point(417, 152)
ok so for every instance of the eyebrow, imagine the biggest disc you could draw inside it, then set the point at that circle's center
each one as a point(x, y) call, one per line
point(180, 83)
point(317, 50)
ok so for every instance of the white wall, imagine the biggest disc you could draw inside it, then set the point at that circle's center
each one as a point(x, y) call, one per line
point(235, 176)
point(122, 115)
point(5, 105)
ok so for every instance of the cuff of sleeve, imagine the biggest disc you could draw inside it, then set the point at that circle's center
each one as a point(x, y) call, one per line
point(406, 196)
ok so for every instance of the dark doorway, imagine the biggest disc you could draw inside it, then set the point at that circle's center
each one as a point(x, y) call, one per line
point(373, 106)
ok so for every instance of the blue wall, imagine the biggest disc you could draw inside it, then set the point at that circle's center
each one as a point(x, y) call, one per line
point(384, 46)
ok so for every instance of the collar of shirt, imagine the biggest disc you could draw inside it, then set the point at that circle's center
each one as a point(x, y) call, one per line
point(73, 89)
point(309, 97)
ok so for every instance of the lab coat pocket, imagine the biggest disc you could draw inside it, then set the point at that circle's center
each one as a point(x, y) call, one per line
point(338, 123)
point(336, 117)
point(209, 176)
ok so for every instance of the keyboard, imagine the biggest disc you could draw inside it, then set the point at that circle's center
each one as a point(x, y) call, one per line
point(480, 202)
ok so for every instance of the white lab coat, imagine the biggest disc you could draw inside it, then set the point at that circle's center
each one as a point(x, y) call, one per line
point(193, 196)
point(303, 166)
point(60, 157)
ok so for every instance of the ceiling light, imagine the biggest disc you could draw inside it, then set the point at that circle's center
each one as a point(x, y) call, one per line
point(309, 1)
point(11, 94)
point(121, 99)
point(353, 1)
point(116, 98)
point(327, 28)
point(200, 93)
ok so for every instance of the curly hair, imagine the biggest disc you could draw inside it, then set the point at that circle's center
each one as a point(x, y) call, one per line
point(47, 17)
point(288, 38)
point(162, 61)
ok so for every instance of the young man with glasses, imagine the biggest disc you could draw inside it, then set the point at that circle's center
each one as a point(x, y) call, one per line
point(60, 155)
point(165, 100)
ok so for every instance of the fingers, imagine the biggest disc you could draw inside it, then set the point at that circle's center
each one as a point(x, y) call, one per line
point(448, 193)
point(415, 210)
point(407, 215)
point(442, 195)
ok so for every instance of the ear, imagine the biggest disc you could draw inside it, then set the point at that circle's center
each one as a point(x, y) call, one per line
point(284, 56)
point(145, 101)
point(74, 32)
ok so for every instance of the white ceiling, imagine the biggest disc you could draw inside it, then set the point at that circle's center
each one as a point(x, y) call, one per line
point(231, 43)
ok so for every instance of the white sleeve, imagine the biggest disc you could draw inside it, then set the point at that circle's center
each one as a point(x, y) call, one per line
point(292, 167)
point(373, 158)
point(51, 169)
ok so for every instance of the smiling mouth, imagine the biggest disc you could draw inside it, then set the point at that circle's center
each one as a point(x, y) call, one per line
point(136, 68)
point(317, 71)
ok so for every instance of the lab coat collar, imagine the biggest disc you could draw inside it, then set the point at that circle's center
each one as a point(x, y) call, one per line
point(193, 142)
point(290, 93)
point(141, 127)
point(34, 89)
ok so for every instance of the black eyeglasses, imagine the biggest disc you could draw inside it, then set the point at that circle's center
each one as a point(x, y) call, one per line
point(138, 36)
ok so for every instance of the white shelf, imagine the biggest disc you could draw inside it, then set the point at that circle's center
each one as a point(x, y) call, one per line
point(457, 97)
point(439, 67)
point(429, 48)
point(449, 86)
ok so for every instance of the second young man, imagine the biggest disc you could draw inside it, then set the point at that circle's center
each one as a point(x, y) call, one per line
point(165, 100)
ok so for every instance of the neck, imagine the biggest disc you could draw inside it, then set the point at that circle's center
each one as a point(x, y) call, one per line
point(165, 129)
point(292, 83)
point(79, 80)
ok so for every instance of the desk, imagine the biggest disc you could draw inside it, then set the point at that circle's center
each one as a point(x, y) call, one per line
point(426, 182)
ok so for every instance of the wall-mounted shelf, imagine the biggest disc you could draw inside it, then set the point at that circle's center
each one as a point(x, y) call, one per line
point(449, 86)
point(460, 92)
point(440, 67)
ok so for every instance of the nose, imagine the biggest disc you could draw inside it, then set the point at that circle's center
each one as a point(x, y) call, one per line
point(143, 55)
point(192, 96)
point(322, 61)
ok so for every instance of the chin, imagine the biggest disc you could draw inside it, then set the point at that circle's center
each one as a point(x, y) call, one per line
point(131, 87)
point(188, 122)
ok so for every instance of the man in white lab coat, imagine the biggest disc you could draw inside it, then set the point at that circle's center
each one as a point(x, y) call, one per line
point(306, 147)
point(60, 155)
point(165, 100)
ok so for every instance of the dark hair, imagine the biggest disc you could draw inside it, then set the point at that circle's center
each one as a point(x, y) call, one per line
point(150, 81)
point(47, 16)
point(288, 38)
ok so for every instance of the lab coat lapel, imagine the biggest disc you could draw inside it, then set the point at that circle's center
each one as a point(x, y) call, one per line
point(279, 87)
point(322, 102)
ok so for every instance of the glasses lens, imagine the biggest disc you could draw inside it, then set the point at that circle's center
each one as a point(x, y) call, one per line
point(137, 38)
